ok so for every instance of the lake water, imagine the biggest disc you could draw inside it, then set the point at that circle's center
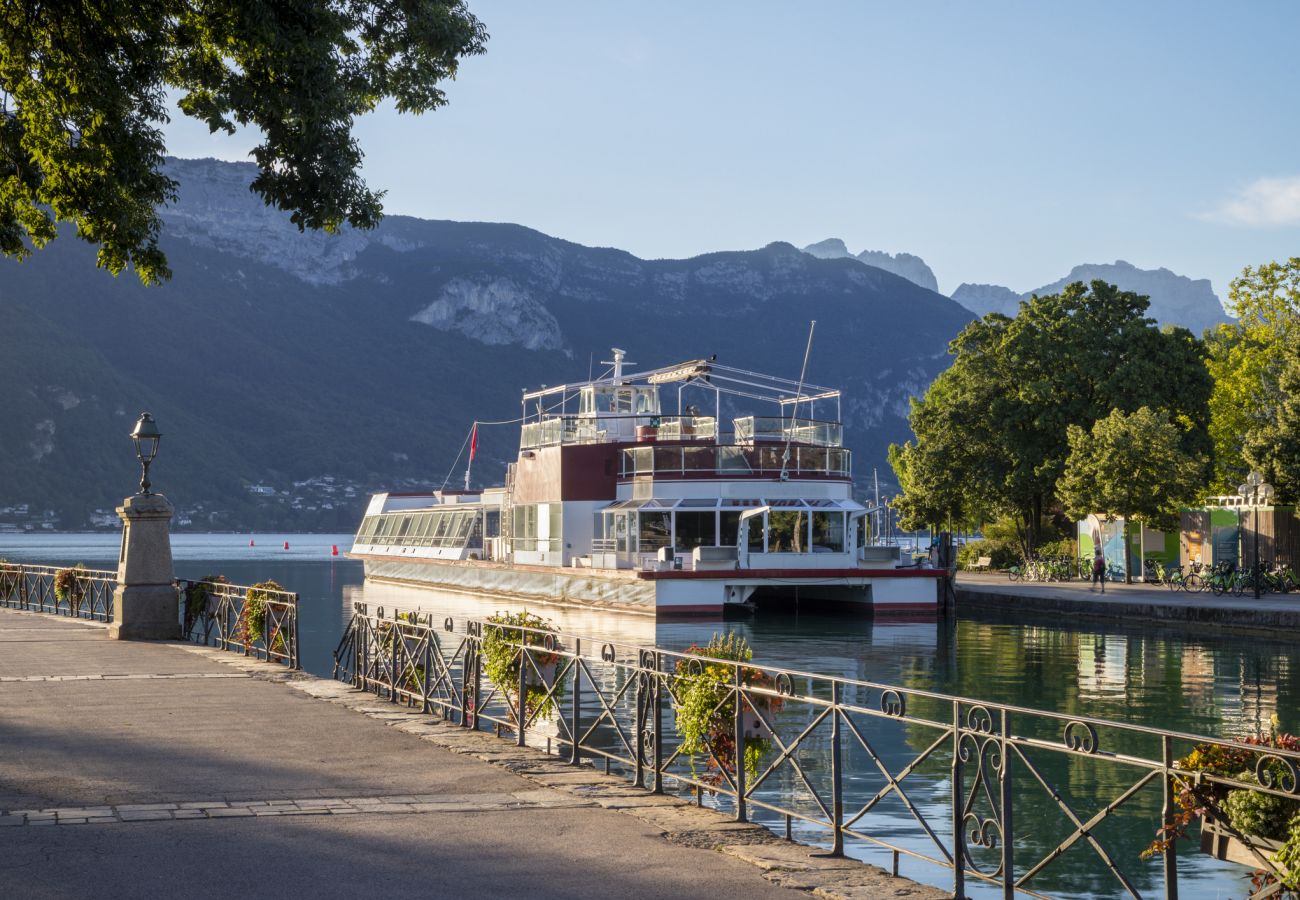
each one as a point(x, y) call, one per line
point(1206, 683)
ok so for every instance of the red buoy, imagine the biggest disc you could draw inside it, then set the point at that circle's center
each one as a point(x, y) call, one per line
point(252, 543)
point(334, 549)
point(286, 545)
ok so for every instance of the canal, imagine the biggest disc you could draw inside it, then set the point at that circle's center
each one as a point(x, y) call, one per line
point(1208, 683)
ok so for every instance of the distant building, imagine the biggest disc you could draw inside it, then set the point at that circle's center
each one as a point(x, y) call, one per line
point(262, 490)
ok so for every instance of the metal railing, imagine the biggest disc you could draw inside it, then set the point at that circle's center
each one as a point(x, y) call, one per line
point(219, 614)
point(735, 461)
point(1027, 801)
point(88, 593)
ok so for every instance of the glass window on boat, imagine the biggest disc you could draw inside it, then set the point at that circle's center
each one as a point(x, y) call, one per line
point(696, 529)
point(787, 531)
point(654, 531)
point(369, 525)
point(828, 532)
point(620, 532)
point(525, 526)
point(492, 523)
point(729, 529)
point(443, 520)
point(556, 522)
point(757, 528)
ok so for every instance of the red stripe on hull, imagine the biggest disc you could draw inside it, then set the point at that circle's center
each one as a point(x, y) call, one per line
point(786, 574)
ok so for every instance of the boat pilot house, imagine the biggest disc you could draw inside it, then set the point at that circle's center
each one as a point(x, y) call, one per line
point(652, 489)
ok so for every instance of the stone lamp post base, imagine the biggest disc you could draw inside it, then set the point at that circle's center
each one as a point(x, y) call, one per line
point(145, 604)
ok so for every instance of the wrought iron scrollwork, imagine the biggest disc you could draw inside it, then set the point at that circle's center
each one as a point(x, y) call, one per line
point(607, 653)
point(1080, 737)
point(784, 684)
point(448, 624)
point(892, 703)
point(1276, 773)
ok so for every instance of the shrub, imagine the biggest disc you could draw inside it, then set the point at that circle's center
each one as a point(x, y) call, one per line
point(1002, 555)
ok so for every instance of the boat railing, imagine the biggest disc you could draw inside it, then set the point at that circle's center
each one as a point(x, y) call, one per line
point(687, 428)
point(735, 461)
point(770, 429)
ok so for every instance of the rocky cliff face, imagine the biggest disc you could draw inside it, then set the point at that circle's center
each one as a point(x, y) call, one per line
point(1175, 299)
point(983, 299)
point(904, 265)
point(282, 356)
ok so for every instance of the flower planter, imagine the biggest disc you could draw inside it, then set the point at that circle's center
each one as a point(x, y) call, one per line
point(1218, 841)
point(755, 726)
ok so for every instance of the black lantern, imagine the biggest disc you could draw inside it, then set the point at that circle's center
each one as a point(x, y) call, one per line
point(146, 436)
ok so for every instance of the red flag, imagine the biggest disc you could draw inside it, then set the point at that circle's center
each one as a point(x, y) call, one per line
point(473, 442)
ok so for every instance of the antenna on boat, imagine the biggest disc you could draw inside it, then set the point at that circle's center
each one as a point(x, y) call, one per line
point(617, 363)
point(794, 412)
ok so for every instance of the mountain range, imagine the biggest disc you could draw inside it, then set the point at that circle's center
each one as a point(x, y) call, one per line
point(291, 374)
point(1175, 299)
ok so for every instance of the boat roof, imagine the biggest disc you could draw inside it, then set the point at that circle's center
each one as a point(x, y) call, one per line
point(710, 373)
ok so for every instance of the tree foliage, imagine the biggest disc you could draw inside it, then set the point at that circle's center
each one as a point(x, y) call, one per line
point(1249, 360)
point(84, 95)
point(1133, 466)
point(1272, 447)
point(991, 431)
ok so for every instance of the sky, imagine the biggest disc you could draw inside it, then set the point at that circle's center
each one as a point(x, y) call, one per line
point(1002, 142)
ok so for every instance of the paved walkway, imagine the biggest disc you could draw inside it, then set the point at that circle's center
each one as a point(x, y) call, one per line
point(137, 770)
point(1128, 602)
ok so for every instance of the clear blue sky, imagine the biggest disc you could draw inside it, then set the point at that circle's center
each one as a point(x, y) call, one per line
point(1002, 142)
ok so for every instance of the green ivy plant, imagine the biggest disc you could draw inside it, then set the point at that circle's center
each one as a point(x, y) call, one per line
point(706, 706)
point(70, 586)
point(252, 620)
point(503, 634)
point(198, 595)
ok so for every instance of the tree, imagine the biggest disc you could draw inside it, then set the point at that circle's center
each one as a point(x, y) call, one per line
point(1246, 360)
point(1133, 466)
point(84, 95)
point(1272, 448)
point(991, 431)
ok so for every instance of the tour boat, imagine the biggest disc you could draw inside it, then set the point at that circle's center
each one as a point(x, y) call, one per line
point(614, 502)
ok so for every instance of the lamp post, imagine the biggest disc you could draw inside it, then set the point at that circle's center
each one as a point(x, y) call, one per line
point(1255, 492)
point(145, 601)
point(146, 437)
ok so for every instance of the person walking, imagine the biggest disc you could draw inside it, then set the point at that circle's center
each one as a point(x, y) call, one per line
point(1098, 570)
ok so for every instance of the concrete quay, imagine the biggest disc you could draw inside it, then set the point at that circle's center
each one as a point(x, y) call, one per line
point(157, 769)
point(1128, 603)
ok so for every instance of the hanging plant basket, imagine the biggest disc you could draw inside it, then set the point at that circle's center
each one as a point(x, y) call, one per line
point(502, 661)
point(70, 586)
point(1219, 841)
point(706, 709)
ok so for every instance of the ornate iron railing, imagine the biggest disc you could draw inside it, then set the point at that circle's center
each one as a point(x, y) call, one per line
point(220, 614)
point(1025, 801)
point(88, 593)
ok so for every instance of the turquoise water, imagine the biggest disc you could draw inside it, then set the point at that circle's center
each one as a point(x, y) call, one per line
point(1206, 683)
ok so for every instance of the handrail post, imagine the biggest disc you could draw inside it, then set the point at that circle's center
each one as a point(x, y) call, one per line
point(837, 772)
point(1008, 833)
point(296, 661)
point(659, 718)
point(958, 835)
point(738, 752)
point(575, 708)
point(23, 593)
point(642, 682)
point(394, 677)
point(521, 705)
point(428, 671)
point(1170, 854)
